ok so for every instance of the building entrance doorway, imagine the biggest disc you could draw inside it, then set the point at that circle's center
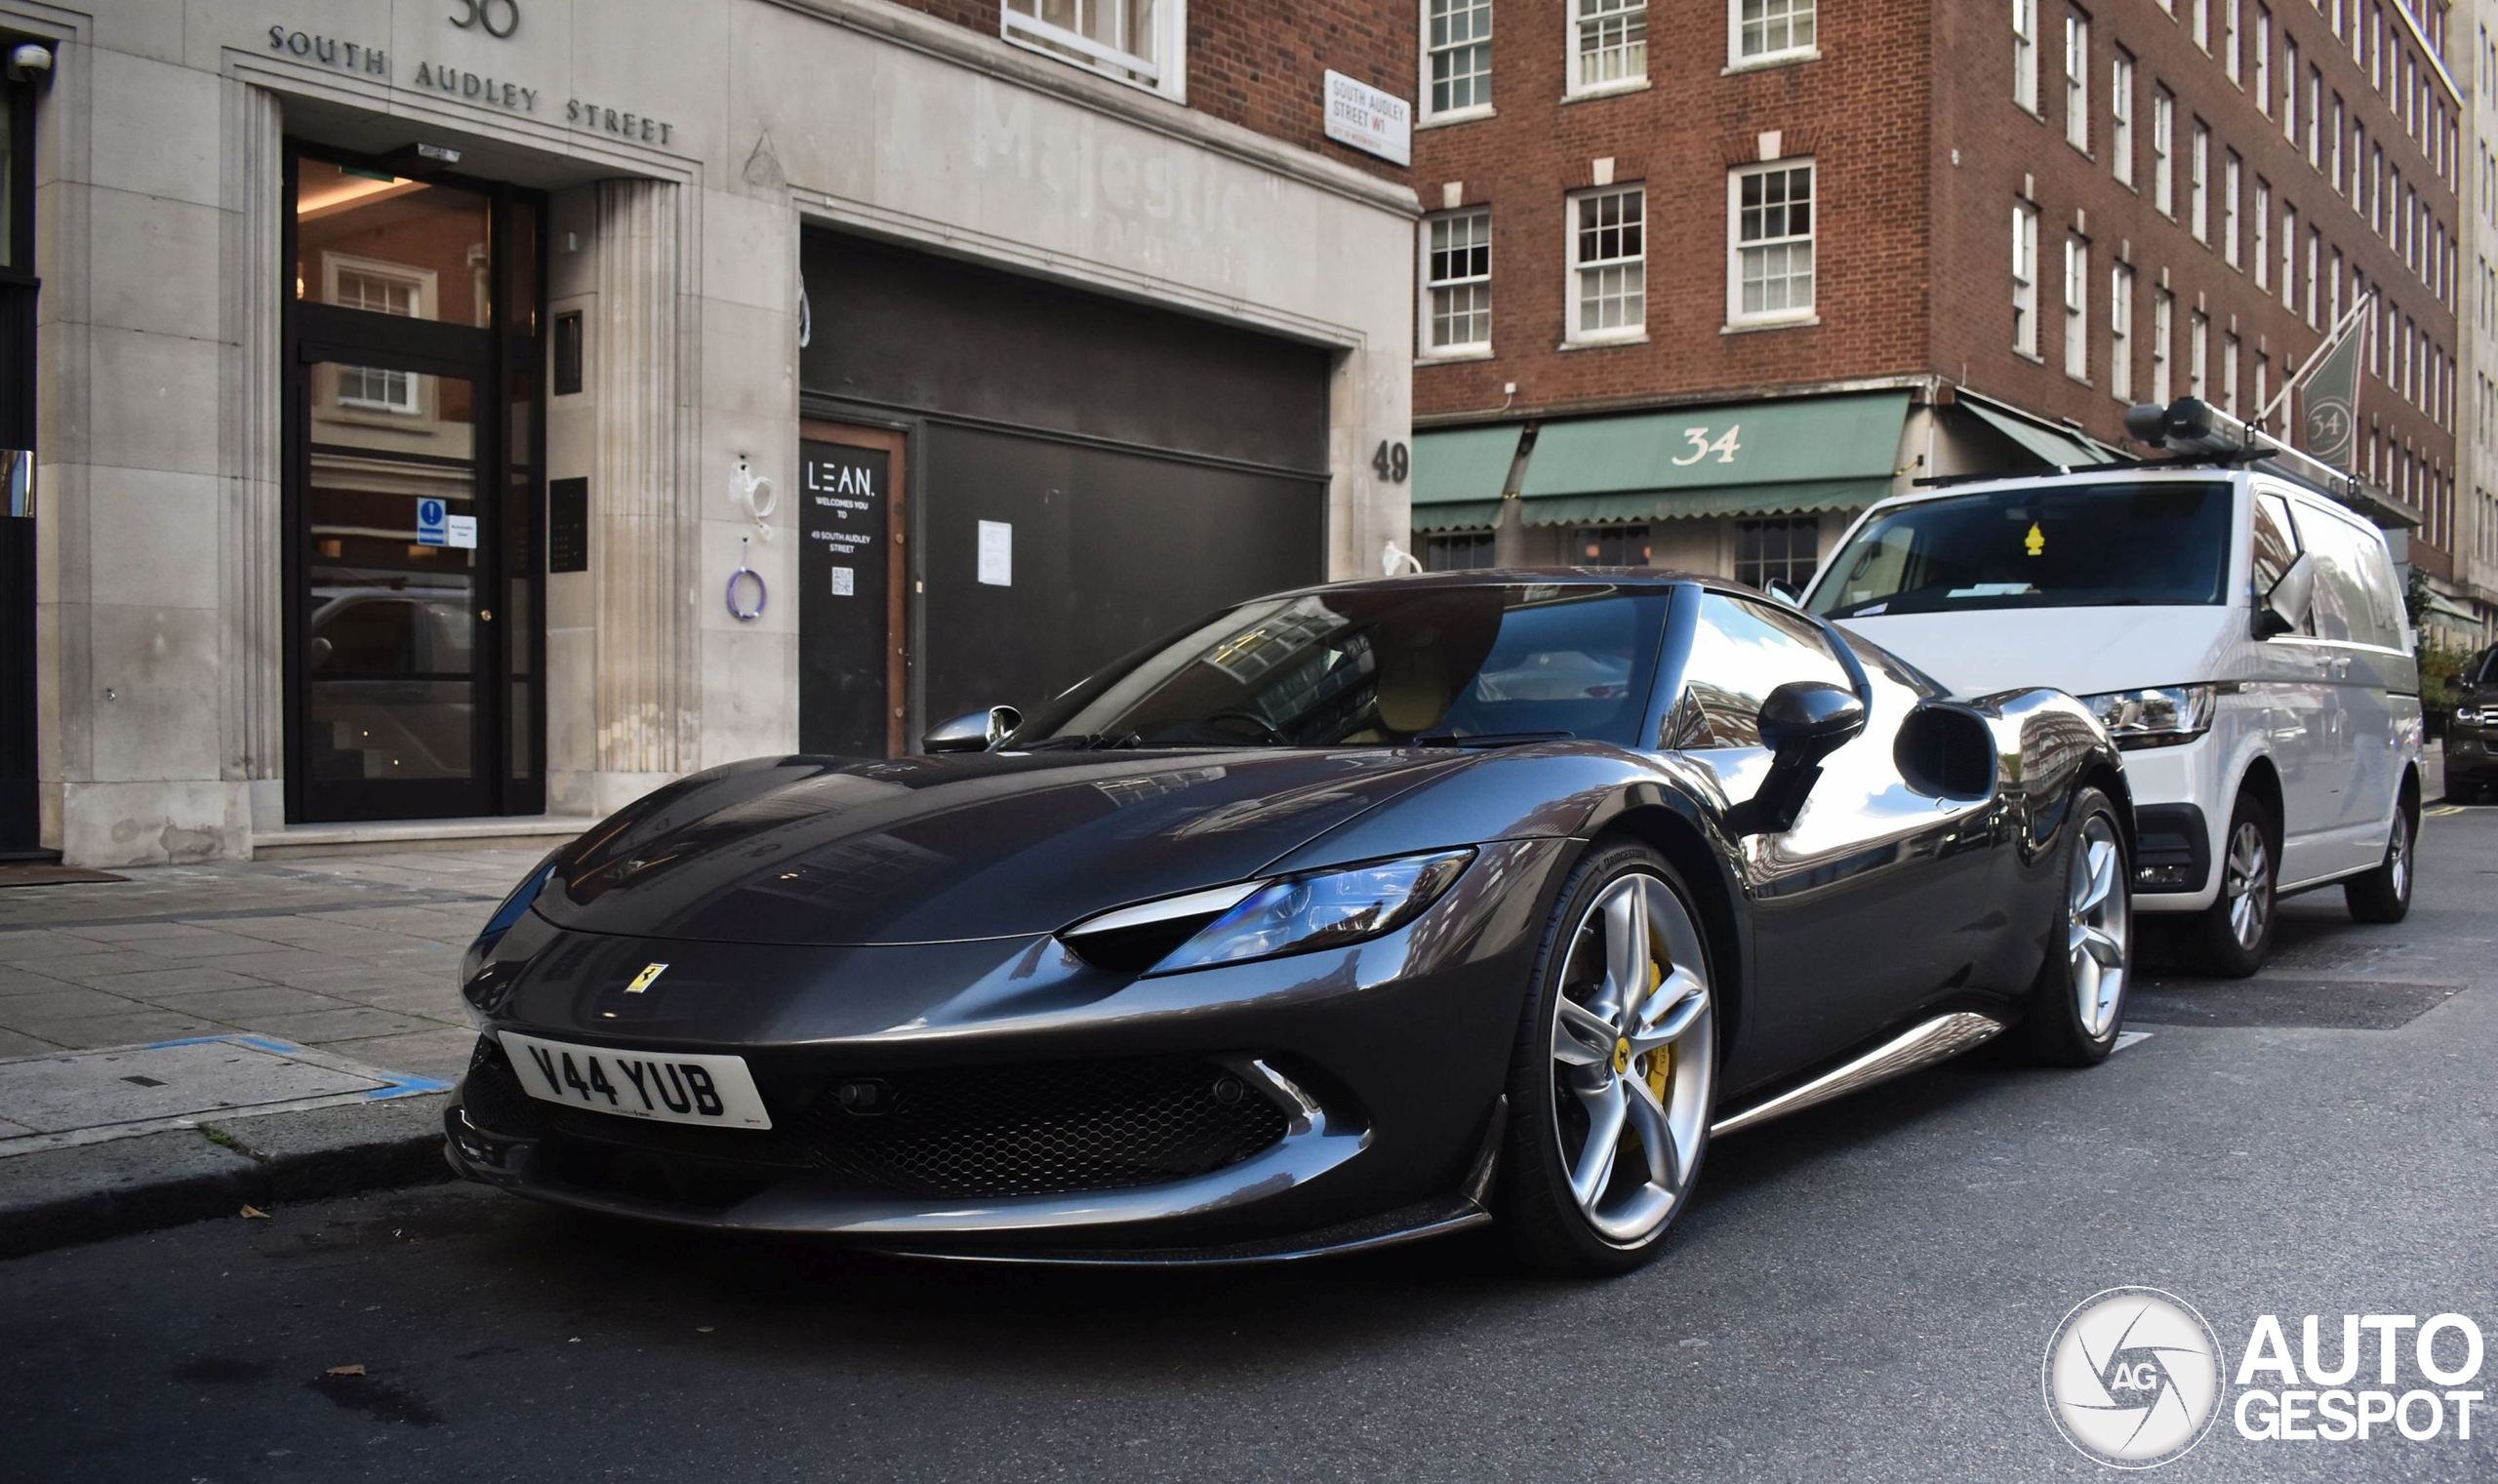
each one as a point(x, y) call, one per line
point(415, 628)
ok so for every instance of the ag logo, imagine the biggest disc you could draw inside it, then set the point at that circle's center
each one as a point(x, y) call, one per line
point(2133, 1377)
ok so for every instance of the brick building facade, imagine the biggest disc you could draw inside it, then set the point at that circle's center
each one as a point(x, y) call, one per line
point(1956, 237)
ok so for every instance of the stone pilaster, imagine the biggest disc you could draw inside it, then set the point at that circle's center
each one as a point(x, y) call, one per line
point(252, 452)
point(648, 712)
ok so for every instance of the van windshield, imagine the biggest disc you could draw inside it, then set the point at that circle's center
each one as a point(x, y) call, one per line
point(2075, 545)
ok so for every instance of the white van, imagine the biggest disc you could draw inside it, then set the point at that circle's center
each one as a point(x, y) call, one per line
point(2241, 635)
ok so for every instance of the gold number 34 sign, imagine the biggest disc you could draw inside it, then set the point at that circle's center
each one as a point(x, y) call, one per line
point(498, 18)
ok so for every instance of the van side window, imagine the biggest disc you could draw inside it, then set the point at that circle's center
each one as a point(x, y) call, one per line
point(2356, 601)
point(1741, 651)
point(2276, 547)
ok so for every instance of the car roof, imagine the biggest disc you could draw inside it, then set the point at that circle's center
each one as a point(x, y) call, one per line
point(1647, 578)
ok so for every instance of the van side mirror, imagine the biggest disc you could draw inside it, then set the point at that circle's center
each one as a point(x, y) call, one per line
point(2285, 607)
point(1801, 723)
point(972, 731)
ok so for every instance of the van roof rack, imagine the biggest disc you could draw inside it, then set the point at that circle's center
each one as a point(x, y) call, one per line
point(2195, 434)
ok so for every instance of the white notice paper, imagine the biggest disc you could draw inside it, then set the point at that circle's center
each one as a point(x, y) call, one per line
point(997, 553)
point(460, 531)
point(845, 581)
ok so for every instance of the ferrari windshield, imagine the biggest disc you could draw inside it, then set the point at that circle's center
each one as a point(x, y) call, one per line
point(1381, 667)
point(2085, 545)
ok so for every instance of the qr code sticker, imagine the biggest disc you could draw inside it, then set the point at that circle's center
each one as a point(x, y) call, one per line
point(845, 581)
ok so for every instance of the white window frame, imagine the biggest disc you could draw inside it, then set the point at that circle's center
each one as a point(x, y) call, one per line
point(2025, 53)
point(2164, 322)
point(1165, 73)
point(1737, 59)
point(1428, 81)
point(1578, 334)
point(2263, 88)
point(2229, 17)
point(1603, 14)
point(423, 286)
point(2077, 78)
point(2199, 355)
point(2120, 114)
point(2024, 279)
point(2163, 151)
point(2198, 183)
point(2077, 307)
point(1430, 349)
point(2233, 180)
point(2200, 25)
point(2229, 374)
point(2262, 246)
point(2291, 89)
point(2120, 331)
point(2314, 244)
point(2290, 257)
point(1736, 247)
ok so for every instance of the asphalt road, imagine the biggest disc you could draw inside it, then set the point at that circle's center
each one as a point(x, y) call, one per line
point(1862, 1292)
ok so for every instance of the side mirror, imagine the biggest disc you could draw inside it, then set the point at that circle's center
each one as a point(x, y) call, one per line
point(1801, 723)
point(977, 732)
point(1785, 592)
point(2285, 607)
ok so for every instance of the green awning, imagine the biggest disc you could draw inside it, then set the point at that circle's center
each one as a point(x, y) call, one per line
point(1461, 465)
point(2064, 450)
point(1737, 457)
point(1457, 515)
point(1800, 498)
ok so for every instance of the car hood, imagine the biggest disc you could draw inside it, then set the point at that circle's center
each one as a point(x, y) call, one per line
point(832, 851)
point(2082, 651)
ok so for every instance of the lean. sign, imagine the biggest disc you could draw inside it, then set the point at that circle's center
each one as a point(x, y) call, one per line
point(1368, 119)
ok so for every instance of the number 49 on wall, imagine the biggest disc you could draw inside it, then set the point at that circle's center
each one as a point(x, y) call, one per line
point(1392, 463)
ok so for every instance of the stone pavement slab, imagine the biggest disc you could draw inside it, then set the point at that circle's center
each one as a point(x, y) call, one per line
point(348, 963)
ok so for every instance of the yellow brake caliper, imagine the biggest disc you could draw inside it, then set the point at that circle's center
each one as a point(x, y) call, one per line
point(1657, 1066)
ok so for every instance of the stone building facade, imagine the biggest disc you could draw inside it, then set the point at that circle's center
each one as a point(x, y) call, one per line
point(450, 421)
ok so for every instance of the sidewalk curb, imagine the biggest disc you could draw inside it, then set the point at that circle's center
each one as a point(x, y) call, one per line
point(59, 1197)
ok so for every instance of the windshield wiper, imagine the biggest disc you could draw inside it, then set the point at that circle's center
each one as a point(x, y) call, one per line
point(1489, 738)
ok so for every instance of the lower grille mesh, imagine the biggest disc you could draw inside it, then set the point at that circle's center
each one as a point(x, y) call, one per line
point(1042, 1129)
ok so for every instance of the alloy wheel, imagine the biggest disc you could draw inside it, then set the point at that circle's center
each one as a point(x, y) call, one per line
point(1634, 1058)
point(2248, 883)
point(2097, 906)
point(2399, 858)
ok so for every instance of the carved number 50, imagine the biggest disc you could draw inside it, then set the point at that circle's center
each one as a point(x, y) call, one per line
point(1726, 447)
point(485, 13)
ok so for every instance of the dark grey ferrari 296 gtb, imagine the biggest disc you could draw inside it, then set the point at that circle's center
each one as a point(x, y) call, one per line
point(1348, 915)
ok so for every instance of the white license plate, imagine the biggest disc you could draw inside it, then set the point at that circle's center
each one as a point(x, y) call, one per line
point(672, 1087)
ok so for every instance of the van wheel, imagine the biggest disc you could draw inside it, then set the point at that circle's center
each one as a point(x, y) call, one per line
point(2235, 934)
point(2384, 895)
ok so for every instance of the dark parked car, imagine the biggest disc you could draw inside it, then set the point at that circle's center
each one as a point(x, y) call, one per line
point(1347, 916)
point(2472, 733)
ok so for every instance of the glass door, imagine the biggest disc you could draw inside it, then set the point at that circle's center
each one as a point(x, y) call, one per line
point(394, 615)
point(414, 636)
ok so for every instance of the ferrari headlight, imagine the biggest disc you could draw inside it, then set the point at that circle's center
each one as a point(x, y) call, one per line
point(479, 983)
point(2156, 717)
point(1298, 914)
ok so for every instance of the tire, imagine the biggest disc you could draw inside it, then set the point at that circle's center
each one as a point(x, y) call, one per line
point(2078, 1004)
point(1624, 917)
point(2384, 895)
point(2221, 942)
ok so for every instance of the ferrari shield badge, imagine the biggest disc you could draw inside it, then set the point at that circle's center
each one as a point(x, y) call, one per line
point(648, 976)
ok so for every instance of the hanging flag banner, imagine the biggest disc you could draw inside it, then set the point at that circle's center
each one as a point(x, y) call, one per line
point(2329, 401)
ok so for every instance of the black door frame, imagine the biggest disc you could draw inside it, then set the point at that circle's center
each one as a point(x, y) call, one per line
point(505, 364)
point(20, 775)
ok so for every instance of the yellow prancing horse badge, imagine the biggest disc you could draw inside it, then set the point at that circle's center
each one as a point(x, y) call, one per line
point(648, 976)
